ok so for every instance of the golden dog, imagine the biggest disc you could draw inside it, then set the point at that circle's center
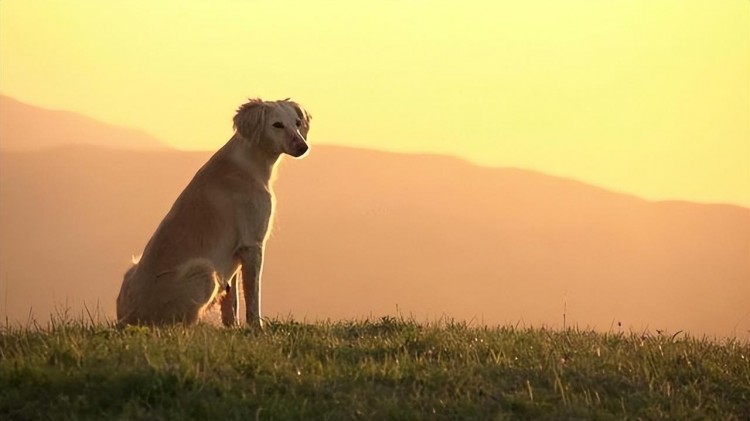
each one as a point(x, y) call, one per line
point(212, 240)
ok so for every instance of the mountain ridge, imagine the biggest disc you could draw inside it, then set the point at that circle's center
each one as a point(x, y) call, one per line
point(370, 231)
point(28, 127)
point(463, 161)
point(361, 232)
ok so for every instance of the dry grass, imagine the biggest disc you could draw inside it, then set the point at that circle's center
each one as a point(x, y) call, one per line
point(385, 369)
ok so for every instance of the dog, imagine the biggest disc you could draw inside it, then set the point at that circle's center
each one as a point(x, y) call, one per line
point(212, 240)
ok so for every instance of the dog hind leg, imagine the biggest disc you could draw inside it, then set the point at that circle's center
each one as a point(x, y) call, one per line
point(126, 299)
point(185, 297)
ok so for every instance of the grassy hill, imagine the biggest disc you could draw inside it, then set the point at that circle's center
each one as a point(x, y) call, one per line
point(385, 369)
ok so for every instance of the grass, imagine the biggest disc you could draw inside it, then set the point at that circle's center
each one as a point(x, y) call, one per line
point(384, 369)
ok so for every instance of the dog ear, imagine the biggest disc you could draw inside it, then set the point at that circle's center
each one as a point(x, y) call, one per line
point(304, 116)
point(250, 120)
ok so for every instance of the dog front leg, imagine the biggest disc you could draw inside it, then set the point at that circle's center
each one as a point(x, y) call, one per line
point(252, 265)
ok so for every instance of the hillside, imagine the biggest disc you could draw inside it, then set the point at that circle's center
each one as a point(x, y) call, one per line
point(389, 368)
point(362, 233)
point(27, 127)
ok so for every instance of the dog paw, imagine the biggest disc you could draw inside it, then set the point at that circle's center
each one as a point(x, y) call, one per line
point(258, 324)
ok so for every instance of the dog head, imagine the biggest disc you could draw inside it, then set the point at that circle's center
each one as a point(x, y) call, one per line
point(274, 126)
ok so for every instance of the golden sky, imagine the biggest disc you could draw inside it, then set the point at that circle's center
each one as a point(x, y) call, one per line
point(641, 96)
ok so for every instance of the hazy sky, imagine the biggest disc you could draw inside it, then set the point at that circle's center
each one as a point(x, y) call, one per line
point(650, 97)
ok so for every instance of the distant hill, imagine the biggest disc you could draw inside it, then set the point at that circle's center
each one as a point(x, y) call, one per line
point(26, 127)
point(361, 233)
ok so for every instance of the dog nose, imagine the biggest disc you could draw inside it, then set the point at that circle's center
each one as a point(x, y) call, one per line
point(302, 147)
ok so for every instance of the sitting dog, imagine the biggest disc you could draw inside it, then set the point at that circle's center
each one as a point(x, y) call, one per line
point(212, 240)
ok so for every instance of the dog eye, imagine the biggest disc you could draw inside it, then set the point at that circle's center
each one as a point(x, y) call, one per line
point(278, 125)
point(298, 122)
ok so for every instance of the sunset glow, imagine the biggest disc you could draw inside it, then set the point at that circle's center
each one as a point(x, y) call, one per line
point(649, 98)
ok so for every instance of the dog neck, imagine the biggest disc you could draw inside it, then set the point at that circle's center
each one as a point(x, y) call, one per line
point(258, 162)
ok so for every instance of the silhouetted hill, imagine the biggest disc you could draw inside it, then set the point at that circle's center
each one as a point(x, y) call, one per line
point(26, 127)
point(361, 233)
